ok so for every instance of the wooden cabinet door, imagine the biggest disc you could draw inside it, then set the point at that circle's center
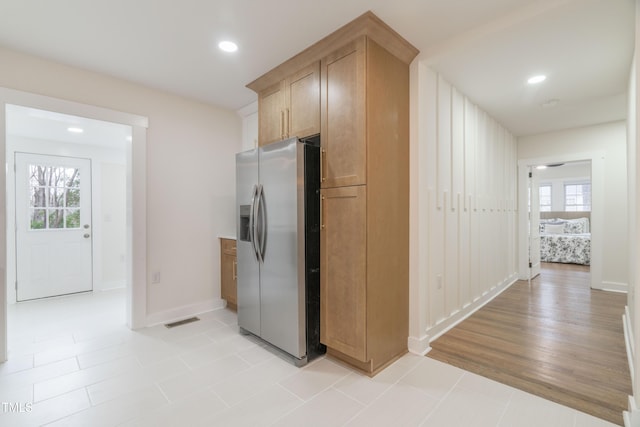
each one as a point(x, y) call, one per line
point(271, 114)
point(228, 272)
point(343, 116)
point(302, 106)
point(343, 295)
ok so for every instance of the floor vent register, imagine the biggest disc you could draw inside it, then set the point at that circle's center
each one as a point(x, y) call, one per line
point(181, 322)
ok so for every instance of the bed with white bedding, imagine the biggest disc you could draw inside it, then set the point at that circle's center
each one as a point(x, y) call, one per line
point(565, 240)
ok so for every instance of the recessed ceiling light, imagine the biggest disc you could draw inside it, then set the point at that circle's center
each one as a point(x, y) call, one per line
point(537, 79)
point(541, 167)
point(228, 46)
point(75, 130)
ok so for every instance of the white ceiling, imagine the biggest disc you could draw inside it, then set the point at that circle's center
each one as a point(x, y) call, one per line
point(486, 48)
point(52, 126)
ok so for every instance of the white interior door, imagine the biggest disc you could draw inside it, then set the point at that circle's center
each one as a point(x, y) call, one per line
point(534, 223)
point(53, 226)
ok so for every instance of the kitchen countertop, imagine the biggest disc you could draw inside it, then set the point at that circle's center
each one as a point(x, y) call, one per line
point(227, 237)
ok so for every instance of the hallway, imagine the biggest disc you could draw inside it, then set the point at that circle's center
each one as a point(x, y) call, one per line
point(557, 339)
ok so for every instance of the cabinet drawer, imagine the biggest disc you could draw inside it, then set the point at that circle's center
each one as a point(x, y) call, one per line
point(228, 246)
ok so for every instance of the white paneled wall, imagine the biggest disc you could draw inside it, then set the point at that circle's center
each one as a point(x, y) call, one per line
point(466, 207)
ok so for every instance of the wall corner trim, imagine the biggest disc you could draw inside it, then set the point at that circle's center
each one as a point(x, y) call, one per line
point(628, 339)
point(632, 416)
point(419, 346)
point(248, 109)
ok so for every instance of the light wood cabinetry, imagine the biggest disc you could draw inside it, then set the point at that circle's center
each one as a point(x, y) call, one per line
point(343, 124)
point(343, 266)
point(365, 140)
point(364, 133)
point(290, 107)
point(271, 114)
point(228, 272)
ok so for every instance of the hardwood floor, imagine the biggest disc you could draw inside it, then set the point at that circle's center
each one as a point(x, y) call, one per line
point(557, 339)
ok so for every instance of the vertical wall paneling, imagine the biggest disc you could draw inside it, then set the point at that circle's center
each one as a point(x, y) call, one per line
point(471, 126)
point(457, 180)
point(419, 312)
point(470, 217)
point(435, 234)
point(449, 285)
point(465, 212)
point(633, 160)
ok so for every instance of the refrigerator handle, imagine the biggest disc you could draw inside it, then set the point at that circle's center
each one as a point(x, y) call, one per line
point(252, 221)
point(262, 214)
point(257, 223)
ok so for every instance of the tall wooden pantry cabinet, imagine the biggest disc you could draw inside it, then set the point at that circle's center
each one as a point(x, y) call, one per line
point(363, 113)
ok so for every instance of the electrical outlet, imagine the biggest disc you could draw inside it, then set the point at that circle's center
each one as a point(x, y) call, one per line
point(439, 281)
point(155, 277)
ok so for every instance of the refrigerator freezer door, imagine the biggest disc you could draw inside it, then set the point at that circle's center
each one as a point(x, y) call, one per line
point(248, 273)
point(283, 294)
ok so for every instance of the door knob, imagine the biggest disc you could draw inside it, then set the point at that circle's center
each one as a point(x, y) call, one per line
point(87, 235)
point(86, 226)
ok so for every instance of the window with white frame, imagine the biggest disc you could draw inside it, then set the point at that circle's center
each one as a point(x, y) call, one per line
point(577, 197)
point(545, 198)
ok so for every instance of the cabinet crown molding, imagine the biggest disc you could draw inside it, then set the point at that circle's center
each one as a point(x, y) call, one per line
point(367, 24)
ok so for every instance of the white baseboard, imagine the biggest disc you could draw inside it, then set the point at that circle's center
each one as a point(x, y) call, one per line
point(628, 338)
point(615, 287)
point(445, 325)
point(183, 312)
point(632, 416)
point(111, 284)
point(419, 346)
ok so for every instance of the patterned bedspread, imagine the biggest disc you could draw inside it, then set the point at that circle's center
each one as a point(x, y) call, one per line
point(566, 248)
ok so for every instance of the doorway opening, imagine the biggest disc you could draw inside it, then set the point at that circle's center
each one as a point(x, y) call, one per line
point(564, 213)
point(132, 171)
point(66, 195)
point(561, 202)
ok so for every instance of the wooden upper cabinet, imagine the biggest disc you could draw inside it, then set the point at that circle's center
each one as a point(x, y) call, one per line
point(302, 108)
point(290, 107)
point(271, 114)
point(343, 116)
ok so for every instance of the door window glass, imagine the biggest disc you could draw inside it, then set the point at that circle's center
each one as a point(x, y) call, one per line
point(54, 197)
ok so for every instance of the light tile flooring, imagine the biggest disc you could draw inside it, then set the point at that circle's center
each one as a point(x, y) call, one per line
point(72, 362)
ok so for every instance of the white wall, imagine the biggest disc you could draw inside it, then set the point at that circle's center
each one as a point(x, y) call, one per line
point(249, 115)
point(108, 237)
point(610, 139)
point(112, 218)
point(463, 207)
point(631, 317)
point(190, 175)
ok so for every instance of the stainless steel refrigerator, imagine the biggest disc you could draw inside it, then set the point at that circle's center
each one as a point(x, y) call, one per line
point(278, 246)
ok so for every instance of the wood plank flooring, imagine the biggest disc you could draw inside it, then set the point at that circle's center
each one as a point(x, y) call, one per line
point(557, 339)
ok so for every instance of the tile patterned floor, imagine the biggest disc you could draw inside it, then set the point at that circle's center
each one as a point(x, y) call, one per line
point(72, 362)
